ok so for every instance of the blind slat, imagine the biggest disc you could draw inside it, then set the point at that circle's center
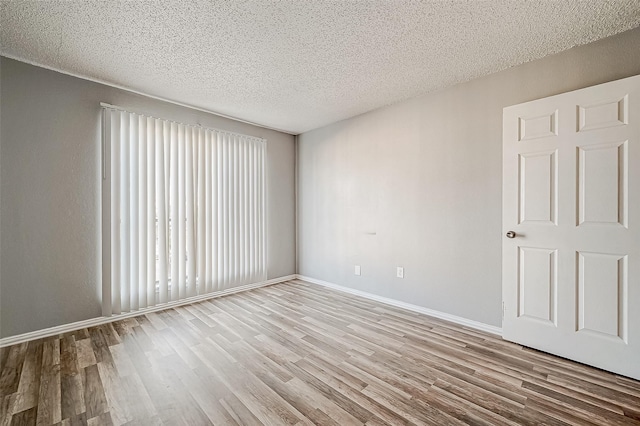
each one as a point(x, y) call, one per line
point(151, 212)
point(219, 232)
point(115, 214)
point(125, 257)
point(225, 212)
point(208, 216)
point(174, 224)
point(190, 213)
point(142, 214)
point(161, 213)
point(182, 241)
point(133, 212)
point(106, 214)
point(251, 255)
point(200, 249)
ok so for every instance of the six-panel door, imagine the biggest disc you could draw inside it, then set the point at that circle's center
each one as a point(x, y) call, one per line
point(571, 194)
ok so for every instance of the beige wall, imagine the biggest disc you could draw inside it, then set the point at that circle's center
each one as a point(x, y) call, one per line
point(50, 193)
point(419, 184)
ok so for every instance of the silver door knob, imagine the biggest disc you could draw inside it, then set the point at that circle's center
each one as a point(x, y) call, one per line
point(511, 234)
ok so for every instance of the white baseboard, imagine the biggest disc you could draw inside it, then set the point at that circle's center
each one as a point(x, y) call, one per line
point(78, 325)
point(437, 314)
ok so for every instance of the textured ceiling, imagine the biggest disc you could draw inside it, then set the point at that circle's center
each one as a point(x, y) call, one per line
point(297, 65)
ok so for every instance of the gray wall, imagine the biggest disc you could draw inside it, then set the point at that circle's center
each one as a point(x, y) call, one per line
point(419, 184)
point(50, 193)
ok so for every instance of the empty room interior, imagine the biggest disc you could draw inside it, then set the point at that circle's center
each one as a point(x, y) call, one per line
point(379, 212)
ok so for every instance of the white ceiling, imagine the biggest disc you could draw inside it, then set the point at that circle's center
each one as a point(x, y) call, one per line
point(296, 65)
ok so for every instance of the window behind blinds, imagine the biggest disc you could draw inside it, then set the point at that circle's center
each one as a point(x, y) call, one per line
point(183, 211)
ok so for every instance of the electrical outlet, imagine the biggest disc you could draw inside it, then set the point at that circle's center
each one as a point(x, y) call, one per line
point(400, 272)
point(357, 270)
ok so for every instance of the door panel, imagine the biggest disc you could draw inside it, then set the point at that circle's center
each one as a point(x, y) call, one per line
point(539, 126)
point(605, 114)
point(537, 284)
point(602, 183)
point(538, 187)
point(602, 294)
point(571, 194)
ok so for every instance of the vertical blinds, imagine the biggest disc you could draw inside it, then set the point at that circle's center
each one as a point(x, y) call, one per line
point(183, 211)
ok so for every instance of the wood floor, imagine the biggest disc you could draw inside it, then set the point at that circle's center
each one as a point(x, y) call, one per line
point(295, 353)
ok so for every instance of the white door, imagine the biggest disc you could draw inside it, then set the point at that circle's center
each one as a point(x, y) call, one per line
point(571, 196)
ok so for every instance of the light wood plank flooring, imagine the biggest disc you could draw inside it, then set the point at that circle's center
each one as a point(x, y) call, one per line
point(295, 353)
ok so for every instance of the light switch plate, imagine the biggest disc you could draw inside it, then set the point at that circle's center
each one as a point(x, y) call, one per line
point(357, 270)
point(400, 272)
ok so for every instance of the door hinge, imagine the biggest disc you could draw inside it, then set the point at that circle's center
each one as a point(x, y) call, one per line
point(503, 310)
